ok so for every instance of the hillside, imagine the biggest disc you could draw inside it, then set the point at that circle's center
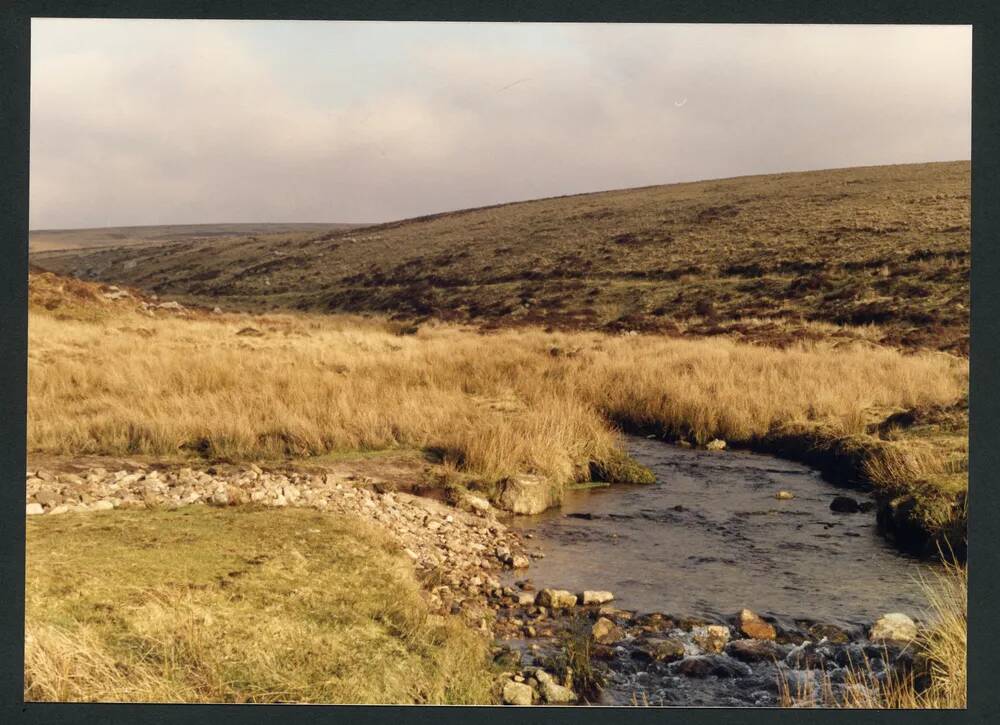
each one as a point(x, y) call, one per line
point(45, 240)
point(762, 257)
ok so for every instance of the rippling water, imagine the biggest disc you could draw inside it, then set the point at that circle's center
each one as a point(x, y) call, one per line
point(710, 538)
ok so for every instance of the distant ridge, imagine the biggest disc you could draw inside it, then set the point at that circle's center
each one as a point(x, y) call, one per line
point(763, 257)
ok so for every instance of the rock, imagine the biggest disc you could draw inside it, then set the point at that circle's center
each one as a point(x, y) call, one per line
point(102, 505)
point(219, 498)
point(527, 495)
point(33, 509)
point(605, 631)
point(48, 497)
point(754, 650)
point(526, 599)
point(596, 597)
point(551, 691)
point(705, 665)
point(476, 503)
point(753, 626)
point(170, 305)
point(216, 310)
point(519, 561)
point(669, 649)
point(556, 598)
point(716, 444)
point(517, 693)
point(829, 632)
point(711, 638)
point(784, 495)
point(614, 612)
point(895, 626)
point(59, 509)
point(844, 505)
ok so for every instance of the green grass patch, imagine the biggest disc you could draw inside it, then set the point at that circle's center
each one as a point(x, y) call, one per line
point(236, 605)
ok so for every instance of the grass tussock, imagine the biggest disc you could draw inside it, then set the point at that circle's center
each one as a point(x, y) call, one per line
point(207, 605)
point(494, 405)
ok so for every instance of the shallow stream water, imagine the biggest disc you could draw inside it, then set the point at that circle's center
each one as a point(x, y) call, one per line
point(709, 538)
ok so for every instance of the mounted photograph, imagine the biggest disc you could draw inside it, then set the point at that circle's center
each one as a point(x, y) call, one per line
point(501, 364)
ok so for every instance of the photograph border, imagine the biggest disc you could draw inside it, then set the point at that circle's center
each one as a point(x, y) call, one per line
point(984, 402)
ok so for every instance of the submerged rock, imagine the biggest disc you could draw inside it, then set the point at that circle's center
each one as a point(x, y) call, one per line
point(713, 664)
point(784, 495)
point(844, 505)
point(716, 444)
point(669, 649)
point(755, 650)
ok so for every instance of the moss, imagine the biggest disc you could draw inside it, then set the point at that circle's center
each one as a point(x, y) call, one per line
point(620, 469)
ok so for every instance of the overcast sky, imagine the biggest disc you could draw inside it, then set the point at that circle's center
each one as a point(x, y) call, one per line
point(172, 122)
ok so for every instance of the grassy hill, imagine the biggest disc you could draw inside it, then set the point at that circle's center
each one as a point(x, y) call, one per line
point(880, 252)
point(43, 240)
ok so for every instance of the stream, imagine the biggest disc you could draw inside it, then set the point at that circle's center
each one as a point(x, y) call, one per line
point(709, 538)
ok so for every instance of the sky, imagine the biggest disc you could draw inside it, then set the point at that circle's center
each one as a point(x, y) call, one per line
point(199, 121)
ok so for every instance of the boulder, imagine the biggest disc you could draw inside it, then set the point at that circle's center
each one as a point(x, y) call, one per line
point(711, 638)
point(605, 631)
point(895, 627)
point(716, 444)
point(526, 495)
point(753, 626)
point(596, 597)
point(33, 509)
point(556, 599)
point(517, 693)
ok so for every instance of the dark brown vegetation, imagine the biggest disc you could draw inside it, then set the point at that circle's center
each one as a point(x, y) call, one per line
point(761, 258)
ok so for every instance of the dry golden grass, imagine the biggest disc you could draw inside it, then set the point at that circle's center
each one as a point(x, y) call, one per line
point(498, 404)
point(236, 605)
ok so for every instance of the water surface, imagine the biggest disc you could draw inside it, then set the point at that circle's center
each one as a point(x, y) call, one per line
point(710, 538)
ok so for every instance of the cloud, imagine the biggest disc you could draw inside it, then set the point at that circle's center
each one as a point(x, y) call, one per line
point(147, 122)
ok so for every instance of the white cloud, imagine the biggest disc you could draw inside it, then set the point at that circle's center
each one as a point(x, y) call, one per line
point(173, 122)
